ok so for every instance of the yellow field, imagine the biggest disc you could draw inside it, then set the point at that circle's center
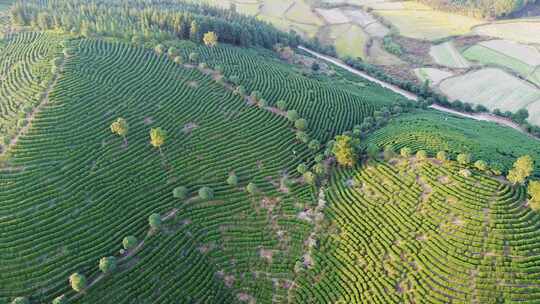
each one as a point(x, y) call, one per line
point(351, 42)
point(527, 31)
point(419, 21)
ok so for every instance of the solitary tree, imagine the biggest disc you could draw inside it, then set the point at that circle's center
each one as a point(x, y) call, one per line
point(292, 115)
point(523, 167)
point(251, 188)
point(120, 127)
point(129, 242)
point(232, 180)
point(78, 282)
point(481, 165)
point(405, 152)
point(60, 300)
point(442, 156)
point(206, 193)
point(309, 177)
point(421, 155)
point(20, 300)
point(300, 124)
point(464, 158)
point(107, 264)
point(210, 39)
point(314, 145)
point(180, 192)
point(154, 220)
point(301, 168)
point(157, 137)
point(319, 169)
point(534, 193)
point(343, 150)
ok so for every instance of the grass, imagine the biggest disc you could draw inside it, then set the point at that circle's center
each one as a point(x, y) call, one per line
point(351, 42)
point(434, 76)
point(523, 31)
point(487, 56)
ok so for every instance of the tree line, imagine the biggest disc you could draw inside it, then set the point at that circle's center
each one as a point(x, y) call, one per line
point(150, 20)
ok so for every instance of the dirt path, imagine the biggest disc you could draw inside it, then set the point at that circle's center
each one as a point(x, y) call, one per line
point(476, 116)
point(43, 102)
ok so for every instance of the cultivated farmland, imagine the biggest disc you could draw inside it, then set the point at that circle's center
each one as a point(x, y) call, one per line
point(447, 55)
point(508, 94)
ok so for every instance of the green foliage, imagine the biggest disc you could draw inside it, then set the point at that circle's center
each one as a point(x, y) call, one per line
point(344, 151)
point(20, 300)
point(302, 136)
point(206, 193)
point(464, 158)
point(180, 192)
point(389, 153)
point(60, 300)
point(292, 115)
point(405, 152)
point(154, 220)
point(300, 124)
point(282, 105)
point(193, 57)
point(78, 282)
point(107, 264)
point(534, 192)
point(309, 178)
point(251, 188)
point(129, 242)
point(232, 180)
point(314, 145)
point(442, 156)
point(523, 167)
point(421, 155)
point(157, 137)
point(481, 165)
point(373, 151)
point(302, 168)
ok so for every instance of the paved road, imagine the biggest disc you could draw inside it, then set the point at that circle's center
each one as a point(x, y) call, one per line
point(412, 96)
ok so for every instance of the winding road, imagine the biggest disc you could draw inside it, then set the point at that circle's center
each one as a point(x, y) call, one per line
point(411, 96)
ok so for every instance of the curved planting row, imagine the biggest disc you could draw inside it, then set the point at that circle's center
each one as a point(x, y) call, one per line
point(421, 232)
point(25, 70)
point(73, 190)
point(329, 108)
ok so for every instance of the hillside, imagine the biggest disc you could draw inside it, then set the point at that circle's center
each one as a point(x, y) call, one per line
point(172, 168)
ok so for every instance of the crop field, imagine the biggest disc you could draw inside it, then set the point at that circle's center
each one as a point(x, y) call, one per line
point(25, 70)
point(528, 54)
point(509, 94)
point(434, 76)
point(414, 231)
point(351, 42)
point(525, 31)
point(434, 131)
point(89, 174)
point(488, 56)
point(447, 55)
point(329, 108)
point(419, 21)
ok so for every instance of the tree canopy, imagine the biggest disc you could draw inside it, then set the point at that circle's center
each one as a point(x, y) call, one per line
point(210, 39)
point(157, 137)
point(523, 167)
point(107, 264)
point(78, 282)
point(343, 150)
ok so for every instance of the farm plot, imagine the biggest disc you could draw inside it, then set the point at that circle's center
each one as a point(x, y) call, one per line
point(352, 42)
point(435, 131)
point(74, 190)
point(493, 88)
point(333, 16)
point(329, 109)
point(275, 8)
point(446, 54)
point(420, 231)
point(25, 69)
point(419, 21)
point(434, 76)
point(525, 31)
point(488, 56)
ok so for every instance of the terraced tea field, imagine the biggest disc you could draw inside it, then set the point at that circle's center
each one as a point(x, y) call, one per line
point(417, 231)
point(25, 72)
point(434, 131)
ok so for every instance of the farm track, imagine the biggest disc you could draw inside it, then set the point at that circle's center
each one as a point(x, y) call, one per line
point(412, 96)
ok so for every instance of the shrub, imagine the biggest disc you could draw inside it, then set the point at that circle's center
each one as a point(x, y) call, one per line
point(465, 172)
point(309, 177)
point(206, 193)
point(314, 145)
point(20, 300)
point(302, 168)
point(251, 188)
point(302, 136)
point(481, 165)
point(129, 242)
point(300, 124)
point(232, 180)
point(180, 192)
point(193, 57)
point(464, 158)
point(405, 152)
point(421, 155)
point(154, 220)
point(107, 264)
point(388, 153)
point(442, 156)
point(292, 115)
point(78, 282)
point(60, 300)
point(372, 151)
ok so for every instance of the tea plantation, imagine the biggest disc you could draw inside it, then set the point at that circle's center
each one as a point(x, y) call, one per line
point(183, 169)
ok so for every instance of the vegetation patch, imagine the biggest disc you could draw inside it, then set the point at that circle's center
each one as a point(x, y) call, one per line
point(446, 54)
